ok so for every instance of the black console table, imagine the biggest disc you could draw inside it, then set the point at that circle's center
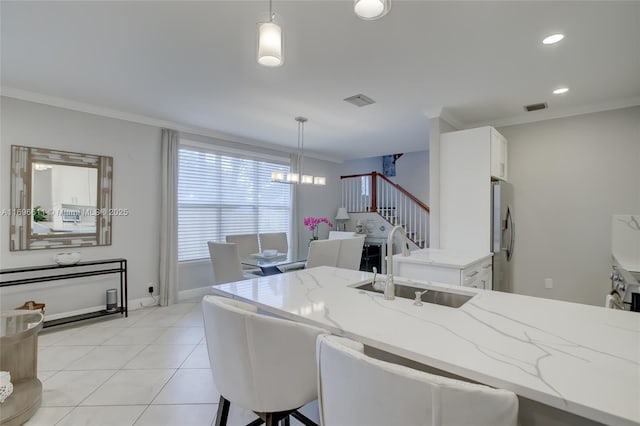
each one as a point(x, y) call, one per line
point(77, 270)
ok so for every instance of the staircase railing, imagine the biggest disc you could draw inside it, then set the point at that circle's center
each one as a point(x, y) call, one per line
point(375, 193)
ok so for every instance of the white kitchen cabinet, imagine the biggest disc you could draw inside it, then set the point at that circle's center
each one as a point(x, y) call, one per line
point(479, 277)
point(457, 267)
point(498, 155)
point(467, 158)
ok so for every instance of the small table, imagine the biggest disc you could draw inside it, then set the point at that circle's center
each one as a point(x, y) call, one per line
point(270, 265)
point(76, 270)
point(19, 356)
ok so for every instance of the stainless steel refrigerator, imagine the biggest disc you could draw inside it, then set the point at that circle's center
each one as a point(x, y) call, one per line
point(502, 235)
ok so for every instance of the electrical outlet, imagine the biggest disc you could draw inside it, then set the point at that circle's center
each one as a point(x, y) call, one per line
point(548, 283)
point(150, 289)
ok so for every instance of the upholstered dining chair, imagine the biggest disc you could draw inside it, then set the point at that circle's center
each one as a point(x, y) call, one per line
point(350, 253)
point(354, 389)
point(247, 243)
point(336, 235)
point(261, 363)
point(226, 263)
point(274, 241)
point(323, 253)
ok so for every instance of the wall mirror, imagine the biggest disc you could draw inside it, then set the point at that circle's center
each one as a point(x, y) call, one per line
point(59, 199)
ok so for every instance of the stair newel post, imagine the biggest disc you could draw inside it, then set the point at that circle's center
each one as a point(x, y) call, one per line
point(374, 192)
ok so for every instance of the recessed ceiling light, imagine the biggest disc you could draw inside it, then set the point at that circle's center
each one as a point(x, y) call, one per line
point(552, 39)
point(371, 9)
point(561, 90)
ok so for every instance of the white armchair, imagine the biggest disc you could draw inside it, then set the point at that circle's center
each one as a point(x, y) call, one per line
point(247, 243)
point(226, 263)
point(263, 364)
point(354, 389)
point(350, 253)
point(323, 253)
point(274, 240)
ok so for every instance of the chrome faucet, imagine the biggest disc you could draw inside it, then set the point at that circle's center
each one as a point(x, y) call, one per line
point(389, 286)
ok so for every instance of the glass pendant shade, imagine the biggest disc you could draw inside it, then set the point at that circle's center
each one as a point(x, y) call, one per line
point(269, 44)
point(277, 176)
point(319, 180)
point(371, 9)
point(293, 178)
point(307, 179)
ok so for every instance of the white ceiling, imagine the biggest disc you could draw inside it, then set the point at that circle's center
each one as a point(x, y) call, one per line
point(194, 63)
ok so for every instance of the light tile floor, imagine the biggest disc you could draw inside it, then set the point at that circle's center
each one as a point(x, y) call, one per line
point(151, 368)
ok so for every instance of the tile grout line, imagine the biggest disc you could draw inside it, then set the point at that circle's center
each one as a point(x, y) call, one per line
point(181, 317)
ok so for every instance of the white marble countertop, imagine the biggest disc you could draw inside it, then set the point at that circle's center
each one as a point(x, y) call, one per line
point(448, 258)
point(578, 358)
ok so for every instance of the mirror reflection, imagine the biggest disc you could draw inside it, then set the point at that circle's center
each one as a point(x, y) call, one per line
point(64, 198)
point(59, 199)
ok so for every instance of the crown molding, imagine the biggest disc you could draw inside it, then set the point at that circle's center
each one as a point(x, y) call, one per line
point(443, 114)
point(551, 114)
point(26, 95)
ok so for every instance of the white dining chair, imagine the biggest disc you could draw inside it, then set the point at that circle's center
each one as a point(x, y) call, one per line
point(274, 240)
point(323, 253)
point(261, 363)
point(247, 243)
point(226, 263)
point(350, 253)
point(336, 235)
point(355, 389)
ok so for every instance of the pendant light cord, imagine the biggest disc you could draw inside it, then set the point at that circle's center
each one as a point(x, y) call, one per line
point(270, 12)
point(301, 125)
point(298, 152)
point(300, 158)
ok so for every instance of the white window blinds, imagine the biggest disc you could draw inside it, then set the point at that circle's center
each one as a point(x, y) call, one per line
point(221, 193)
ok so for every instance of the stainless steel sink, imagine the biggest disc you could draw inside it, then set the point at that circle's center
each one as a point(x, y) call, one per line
point(444, 298)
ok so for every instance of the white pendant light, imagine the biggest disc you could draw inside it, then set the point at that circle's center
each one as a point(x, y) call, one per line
point(270, 42)
point(371, 9)
point(298, 176)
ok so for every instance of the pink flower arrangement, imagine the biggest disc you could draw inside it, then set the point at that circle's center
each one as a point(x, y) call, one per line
point(312, 224)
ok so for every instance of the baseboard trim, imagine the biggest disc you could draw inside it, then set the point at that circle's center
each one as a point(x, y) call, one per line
point(135, 304)
point(193, 293)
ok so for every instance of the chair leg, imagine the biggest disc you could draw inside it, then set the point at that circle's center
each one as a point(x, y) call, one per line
point(303, 419)
point(270, 419)
point(285, 421)
point(256, 422)
point(223, 411)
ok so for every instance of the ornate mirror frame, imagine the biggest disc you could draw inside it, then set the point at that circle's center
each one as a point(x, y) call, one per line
point(21, 237)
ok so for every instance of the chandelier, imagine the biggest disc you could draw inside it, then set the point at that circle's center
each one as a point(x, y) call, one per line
point(297, 175)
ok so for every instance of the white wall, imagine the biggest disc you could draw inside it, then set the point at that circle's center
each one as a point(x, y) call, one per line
point(412, 171)
point(361, 166)
point(135, 149)
point(318, 200)
point(569, 176)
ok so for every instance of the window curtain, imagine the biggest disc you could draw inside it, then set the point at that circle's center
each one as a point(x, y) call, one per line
point(168, 286)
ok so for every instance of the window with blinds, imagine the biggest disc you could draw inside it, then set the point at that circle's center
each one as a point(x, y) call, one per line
point(221, 193)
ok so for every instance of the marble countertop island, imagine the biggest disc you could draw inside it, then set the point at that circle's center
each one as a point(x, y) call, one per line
point(577, 358)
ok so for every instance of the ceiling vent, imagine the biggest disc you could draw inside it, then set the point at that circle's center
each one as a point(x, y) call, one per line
point(360, 100)
point(536, 107)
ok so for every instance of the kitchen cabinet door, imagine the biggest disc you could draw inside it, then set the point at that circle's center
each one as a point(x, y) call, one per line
point(498, 155)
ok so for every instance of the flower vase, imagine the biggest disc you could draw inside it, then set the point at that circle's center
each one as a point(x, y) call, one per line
point(314, 235)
